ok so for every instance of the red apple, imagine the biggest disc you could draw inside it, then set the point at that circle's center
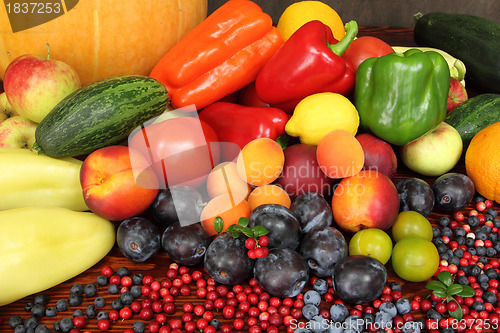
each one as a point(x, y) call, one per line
point(6, 110)
point(379, 155)
point(117, 183)
point(368, 199)
point(301, 172)
point(456, 96)
point(18, 132)
point(34, 85)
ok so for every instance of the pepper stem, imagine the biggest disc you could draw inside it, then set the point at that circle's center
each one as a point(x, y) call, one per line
point(351, 30)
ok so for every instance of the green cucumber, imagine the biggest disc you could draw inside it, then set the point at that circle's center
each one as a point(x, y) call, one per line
point(475, 114)
point(100, 114)
point(472, 39)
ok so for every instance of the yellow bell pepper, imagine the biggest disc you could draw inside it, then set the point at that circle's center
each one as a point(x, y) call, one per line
point(29, 179)
point(43, 246)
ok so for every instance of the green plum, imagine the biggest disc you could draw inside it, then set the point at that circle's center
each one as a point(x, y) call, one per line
point(371, 242)
point(415, 259)
point(411, 223)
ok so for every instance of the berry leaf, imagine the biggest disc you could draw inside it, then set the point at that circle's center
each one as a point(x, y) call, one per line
point(235, 234)
point(467, 291)
point(259, 230)
point(435, 285)
point(218, 224)
point(445, 277)
point(234, 227)
point(243, 221)
point(247, 232)
point(439, 293)
point(454, 289)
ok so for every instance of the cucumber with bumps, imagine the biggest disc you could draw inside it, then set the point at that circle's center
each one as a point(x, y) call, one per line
point(100, 114)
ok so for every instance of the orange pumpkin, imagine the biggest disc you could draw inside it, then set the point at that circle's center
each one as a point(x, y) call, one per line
point(105, 38)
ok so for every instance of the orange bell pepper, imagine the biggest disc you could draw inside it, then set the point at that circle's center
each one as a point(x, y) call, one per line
point(221, 55)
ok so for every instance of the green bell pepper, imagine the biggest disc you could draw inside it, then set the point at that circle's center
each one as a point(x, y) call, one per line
point(400, 97)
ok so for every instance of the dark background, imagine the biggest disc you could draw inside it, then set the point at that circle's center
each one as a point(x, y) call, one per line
point(385, 12)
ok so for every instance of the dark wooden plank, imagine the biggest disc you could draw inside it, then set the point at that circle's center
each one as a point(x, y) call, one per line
point(385, 12)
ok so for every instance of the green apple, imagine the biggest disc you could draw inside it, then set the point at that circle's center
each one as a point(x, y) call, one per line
point(434, 153)
point(410, 223)
point(371, 242)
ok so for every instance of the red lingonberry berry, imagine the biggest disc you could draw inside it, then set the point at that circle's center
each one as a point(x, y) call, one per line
point(147, 280)
point(238, 324)
point(250, 243)
point(107, 271)
point(79, 321)
point(103, 324)
point(263, 240)
point(146, 314)
point(125, 313)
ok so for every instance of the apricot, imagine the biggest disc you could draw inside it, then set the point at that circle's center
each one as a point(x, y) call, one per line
point(268, 194)
point(224, 179)
point(340, 154)
point(260, 162)
point(230, 208)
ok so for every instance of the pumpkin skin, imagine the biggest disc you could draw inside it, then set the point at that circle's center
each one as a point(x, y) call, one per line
point(105, 38)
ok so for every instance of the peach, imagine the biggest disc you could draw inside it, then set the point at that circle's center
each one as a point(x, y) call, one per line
point(117, 182)
point(368, 199)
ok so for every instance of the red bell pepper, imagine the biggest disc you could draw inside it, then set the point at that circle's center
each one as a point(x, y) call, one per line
point(308, 62)
point(240, 124)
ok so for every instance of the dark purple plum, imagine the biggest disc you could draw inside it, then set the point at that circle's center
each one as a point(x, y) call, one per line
point(186, 245)
point(177, 203)
point(283, 273)
point(415, 194)
point(226, 260)
point(313, 211)
point(359, 279)
point(322, 249)
point(284, 228)
point(138, 238)
point(453, 191)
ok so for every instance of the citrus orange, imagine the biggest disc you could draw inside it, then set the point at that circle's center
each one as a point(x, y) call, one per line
point(340, 154)
point(228, 207)
point(224, 179)
point(299, 13)
point(260, 162)
point(268, 194)
point(482, 162)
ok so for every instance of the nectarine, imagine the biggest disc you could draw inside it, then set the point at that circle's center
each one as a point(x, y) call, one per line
point(368, 199)
point(117, 182)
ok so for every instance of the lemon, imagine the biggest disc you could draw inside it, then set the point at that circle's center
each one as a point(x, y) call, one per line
point(299, 13)
point(319, 114)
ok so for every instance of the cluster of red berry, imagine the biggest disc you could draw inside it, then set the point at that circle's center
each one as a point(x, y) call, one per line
point(257, 248)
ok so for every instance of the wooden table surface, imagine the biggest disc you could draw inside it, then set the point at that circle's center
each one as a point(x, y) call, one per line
point(157, 266)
